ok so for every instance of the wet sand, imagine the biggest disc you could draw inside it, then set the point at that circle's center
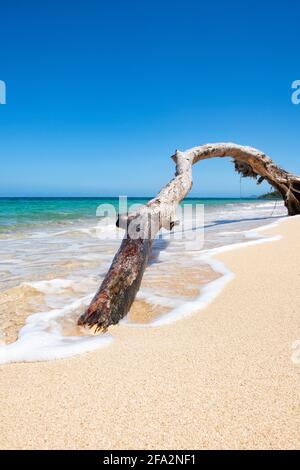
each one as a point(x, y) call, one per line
point(222, 378)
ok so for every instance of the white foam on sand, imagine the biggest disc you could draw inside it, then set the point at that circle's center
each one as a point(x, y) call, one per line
point(41, 339)
point(164, 301)
point(53, 286)
point(211, 290)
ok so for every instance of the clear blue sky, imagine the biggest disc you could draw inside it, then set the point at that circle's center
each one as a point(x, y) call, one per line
point(101, 93)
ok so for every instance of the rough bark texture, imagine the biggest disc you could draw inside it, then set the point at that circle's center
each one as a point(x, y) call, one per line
point(118, 290)
point(251, 162)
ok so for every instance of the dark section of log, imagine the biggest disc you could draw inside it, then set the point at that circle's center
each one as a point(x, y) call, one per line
point(118, 290)
point(122, 282)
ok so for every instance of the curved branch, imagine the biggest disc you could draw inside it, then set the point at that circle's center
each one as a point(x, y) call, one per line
point(122, 282)
point(251, 162)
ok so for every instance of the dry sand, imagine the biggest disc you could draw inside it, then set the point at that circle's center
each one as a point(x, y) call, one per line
point(222, 378)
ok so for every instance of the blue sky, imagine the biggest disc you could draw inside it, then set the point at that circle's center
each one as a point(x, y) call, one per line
point(101, 93)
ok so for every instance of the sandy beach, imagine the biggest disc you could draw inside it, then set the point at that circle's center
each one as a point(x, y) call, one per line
point(222, 378)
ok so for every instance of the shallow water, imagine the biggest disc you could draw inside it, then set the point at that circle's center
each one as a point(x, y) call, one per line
point(55, 252)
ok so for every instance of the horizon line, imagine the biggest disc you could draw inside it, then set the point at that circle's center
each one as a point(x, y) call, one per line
point(253, 196)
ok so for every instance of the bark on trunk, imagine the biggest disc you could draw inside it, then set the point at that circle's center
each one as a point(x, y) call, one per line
point(122, 282)
point(251, 162)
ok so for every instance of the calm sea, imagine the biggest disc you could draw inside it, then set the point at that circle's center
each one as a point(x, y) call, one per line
point(54, 255)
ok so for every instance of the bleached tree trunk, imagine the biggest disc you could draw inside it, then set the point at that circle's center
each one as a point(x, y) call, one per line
point(122, 282)
point(251, 162)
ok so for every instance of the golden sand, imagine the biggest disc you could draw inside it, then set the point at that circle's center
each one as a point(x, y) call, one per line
point(16, 304)
point(222, 378)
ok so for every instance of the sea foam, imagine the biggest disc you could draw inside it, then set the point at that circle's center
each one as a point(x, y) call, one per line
point(41, 339)
point(211, 290)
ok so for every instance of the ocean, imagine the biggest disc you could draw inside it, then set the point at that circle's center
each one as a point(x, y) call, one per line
point(54, 253)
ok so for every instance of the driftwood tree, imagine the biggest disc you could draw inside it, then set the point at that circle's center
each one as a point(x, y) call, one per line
point(121, 284)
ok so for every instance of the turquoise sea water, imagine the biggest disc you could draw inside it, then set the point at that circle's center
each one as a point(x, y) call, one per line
point(26, 213)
